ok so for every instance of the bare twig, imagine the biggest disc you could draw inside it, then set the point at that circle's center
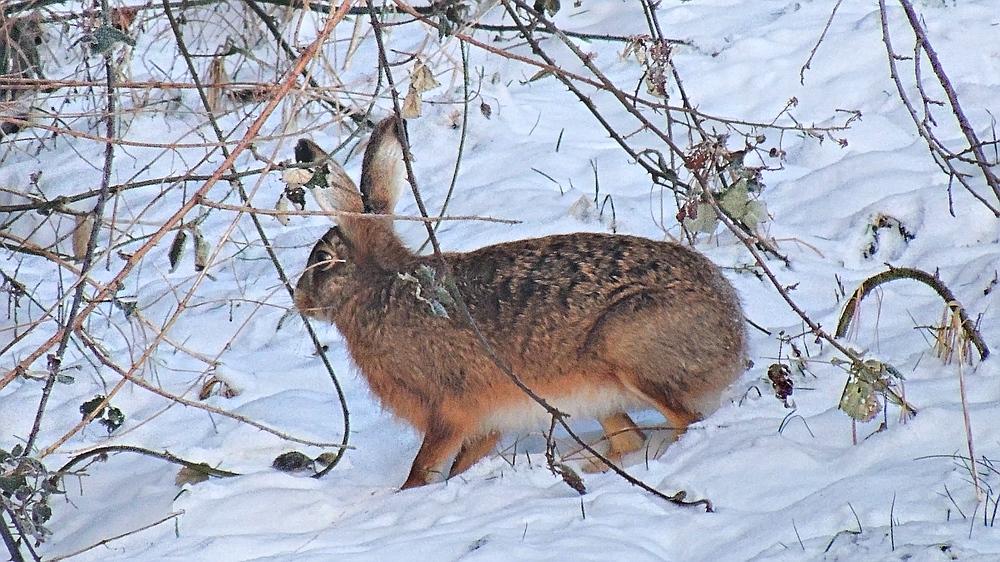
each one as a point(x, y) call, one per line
point(943, 157)
point(104, 542)
point(812, 53)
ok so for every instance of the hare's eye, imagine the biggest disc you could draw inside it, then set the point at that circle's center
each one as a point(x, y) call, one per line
point(325, 261)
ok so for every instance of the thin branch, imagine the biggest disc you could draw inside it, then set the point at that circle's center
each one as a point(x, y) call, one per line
point(956, 107)
point(331, 213)
point(822, 35)
point(104, 542)
point(8, 538)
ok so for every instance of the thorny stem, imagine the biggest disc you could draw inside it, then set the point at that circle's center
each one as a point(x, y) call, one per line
point(105, 541)
point(822, 35)
point(963, 122)
point(8, 538)
point(360, 119)
point(127, 376)
point(894, 273)
point(667, 139)
point(941, 155)
point(15, 552)
point(58, 204)
point(461, 142)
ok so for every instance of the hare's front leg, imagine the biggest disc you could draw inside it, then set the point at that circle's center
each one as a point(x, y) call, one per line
point(441, 441)
point(472, 450)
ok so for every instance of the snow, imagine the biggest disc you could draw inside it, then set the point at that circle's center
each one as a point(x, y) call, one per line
point(784, 485)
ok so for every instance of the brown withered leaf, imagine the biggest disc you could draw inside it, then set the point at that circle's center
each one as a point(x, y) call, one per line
point(81, 235)
point(422, 79)
point(177, 249)
point(201, 250)
point(217, 80)
point(411, 104)
point(190, 475)
point(781, 379)
point(122, 18)
point(215, 386)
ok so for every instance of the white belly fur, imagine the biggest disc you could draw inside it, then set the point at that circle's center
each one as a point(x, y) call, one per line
point(587, 403)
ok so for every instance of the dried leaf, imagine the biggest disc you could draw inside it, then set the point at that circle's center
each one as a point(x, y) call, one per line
point(781, 379)
point(550, 7)
point(296, 176)
point(81, 235)
point(704, 219)
point(201, 250)
point(91, 405)
point(105, 38)
point(422, 79)
point(540, 74)
point(177, 249)
point(191, 475)
point(570, 477)
point(583, 209)
point(216, 386)
point(486, 110)
point(122, 18)
point(296, 195)
point(411, 104)
point(217, 79)
point(756, 213)
point(282, 208)
point(112, 419)
point(326, 458)
point(734, 200)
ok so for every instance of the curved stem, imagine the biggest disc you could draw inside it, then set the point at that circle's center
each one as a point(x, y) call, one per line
point(931, 281)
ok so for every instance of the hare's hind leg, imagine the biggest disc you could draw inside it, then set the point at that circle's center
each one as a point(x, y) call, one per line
point(623, 437)
point(663, 399)
point(472, 450)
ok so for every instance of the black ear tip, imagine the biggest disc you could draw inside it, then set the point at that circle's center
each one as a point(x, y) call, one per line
point(306, 151)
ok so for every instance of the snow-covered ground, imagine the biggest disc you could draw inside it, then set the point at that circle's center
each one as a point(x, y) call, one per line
point(784, 485)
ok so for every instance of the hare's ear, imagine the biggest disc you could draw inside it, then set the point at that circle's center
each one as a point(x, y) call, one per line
point(337, 192)
point(383, 170)
point(308, 152)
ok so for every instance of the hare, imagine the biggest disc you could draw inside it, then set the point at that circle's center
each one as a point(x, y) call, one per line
point(596, 324)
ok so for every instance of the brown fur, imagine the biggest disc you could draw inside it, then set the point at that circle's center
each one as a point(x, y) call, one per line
point(594, 323)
